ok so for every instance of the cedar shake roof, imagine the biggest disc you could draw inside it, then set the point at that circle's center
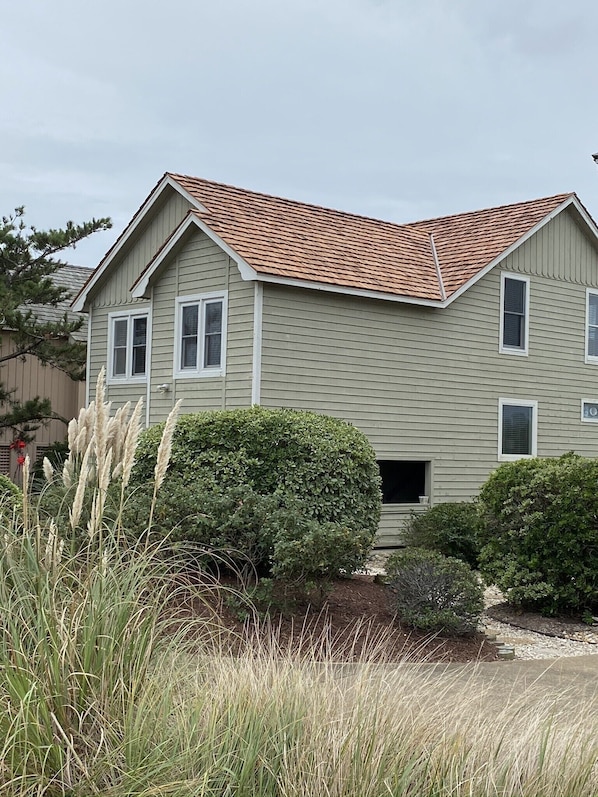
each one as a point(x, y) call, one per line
point(294, 240)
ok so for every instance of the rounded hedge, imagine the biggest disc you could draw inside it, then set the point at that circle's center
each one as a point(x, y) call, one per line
point(540, 533)
point(449, 528)
point(433, 592)
point(315, 465)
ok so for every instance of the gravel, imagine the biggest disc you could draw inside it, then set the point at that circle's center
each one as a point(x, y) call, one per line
point(528, 644)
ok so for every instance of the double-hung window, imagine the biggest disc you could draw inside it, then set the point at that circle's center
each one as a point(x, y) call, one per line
point(514, 314)
point(200, 335)
point(517, 428)
point(591, 326)
point(127, 347)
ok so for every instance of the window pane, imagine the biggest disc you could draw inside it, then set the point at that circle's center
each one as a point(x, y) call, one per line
point(139, 331)
point(515, 296)
point(593, 342)
point(190, 316)
point(119, 367)
point(213, 350)
point(516, 429)
point(120, 332)
point(138, 360)
point(513, 330)
point(213, 317)
point(593, 309)
point(189, 353)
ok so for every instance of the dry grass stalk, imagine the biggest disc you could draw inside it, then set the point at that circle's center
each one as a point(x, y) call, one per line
point(163, 456)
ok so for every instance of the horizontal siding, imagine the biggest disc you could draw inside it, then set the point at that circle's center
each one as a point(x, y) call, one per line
point(115, 288)
point(200, 267)
point(425, 383)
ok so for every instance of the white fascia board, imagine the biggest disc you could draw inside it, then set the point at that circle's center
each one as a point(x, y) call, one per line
point(249, 274)
point(80, 301)
point(140, 288)
point(518, 243)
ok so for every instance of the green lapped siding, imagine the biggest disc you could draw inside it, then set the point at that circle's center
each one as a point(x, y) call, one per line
point(424, 383)
point(114, 288)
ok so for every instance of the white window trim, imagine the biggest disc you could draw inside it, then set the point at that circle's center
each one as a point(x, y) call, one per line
point(505, 275)
point(588, 401)
point(199, 298)
point(588, 358)
point(513, 402)
point(128, 378)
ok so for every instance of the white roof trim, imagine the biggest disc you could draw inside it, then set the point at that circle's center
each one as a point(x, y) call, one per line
point(250, 274)
point(572, 200)
point(140, 287)
point(81, 299)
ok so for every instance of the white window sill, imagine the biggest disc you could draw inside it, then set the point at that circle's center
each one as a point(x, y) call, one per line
point(516, 352)
point(126, 380)
point(199, 374)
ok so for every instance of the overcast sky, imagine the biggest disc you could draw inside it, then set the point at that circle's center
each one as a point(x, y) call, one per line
point(398, 109)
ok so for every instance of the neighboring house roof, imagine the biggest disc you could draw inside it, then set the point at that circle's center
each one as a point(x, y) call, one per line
point(282, 240)
point(73, 278)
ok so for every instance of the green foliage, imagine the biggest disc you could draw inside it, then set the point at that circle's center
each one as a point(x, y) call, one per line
point(540, 533)
point(27, 263)
point(291, 494)
point(11, 497)
point(451, 529)
point(433, 592)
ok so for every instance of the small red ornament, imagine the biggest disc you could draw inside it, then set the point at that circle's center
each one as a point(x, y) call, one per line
point(20, 460)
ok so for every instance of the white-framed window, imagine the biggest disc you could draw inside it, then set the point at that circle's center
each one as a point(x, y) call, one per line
point(591, 326)
point(514, 314)
point(517, 428)
point(128, 345)
point(589, 410)
point(200, 335)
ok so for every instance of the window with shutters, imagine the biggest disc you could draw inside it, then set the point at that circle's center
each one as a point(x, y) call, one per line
point(200, 335)
point(517, 428)
point(514, 314)
point(128, 346)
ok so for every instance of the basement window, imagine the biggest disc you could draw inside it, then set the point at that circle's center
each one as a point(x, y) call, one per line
point(404, 481)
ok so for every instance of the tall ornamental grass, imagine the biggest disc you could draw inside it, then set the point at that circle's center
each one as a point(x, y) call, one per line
point(102, 694)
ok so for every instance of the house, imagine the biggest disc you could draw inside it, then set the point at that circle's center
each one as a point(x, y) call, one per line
point(30, 378)
point(454, 343)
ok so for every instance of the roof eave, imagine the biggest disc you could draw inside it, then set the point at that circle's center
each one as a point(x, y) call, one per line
point(572, 200)
point(79, 303)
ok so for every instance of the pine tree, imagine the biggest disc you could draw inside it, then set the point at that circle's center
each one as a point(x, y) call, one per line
point(27, 262)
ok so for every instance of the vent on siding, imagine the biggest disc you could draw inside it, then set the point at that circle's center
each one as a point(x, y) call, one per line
point(5, 460)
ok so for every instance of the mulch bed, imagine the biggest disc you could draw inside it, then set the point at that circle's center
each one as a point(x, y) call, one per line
point(354, 623)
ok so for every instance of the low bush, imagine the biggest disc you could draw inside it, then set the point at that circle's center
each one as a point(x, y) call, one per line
point(540, 533)
point(451, 529)
point(433, 592)
point(10, 495)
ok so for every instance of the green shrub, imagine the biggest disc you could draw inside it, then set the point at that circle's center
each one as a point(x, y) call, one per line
point(433, 592)
point(266, 487)
point(450, 529)
point(540, 533)
point(11, 497)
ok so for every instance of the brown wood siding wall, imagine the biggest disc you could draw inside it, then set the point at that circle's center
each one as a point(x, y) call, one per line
point(30, 379)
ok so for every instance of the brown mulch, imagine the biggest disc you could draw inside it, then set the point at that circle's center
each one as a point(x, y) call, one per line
point(354, 623)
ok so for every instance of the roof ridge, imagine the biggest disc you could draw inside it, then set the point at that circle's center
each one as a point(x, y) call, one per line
point(300, 202)
point(521, 203)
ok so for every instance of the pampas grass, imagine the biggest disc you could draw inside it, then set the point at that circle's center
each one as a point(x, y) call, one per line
point(108, 686)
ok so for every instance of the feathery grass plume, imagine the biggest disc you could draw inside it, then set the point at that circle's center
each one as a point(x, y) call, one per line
point(100, 427)
point(77, 507)
point(130, 445)
point(48, 469)
point(163, 456)
point(73, 429)
point(26, 496)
